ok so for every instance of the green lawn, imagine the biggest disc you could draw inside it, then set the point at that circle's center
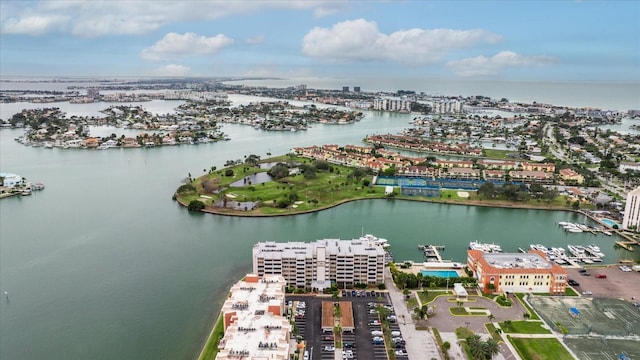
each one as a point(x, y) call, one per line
point(524, 327)
point(425, 299)
point(328, 188)
point(460, 311)
point(533, 315)
point(540, 349)
point(211, 347)
point(570, 292)
point(493, 332)
point(499, 154)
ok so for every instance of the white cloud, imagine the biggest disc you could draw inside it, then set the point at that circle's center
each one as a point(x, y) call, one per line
point(361, 40)
point(174, 45)
point(171, 70)
point(490, 66)
point(255, 40)
point(34, 25)
point(90, 18)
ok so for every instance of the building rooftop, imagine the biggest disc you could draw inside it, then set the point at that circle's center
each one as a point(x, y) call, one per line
point(255, 327)
point(303, 250)
point(516, 261)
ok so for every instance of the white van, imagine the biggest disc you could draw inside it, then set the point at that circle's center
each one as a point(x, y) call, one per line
point(306, 355)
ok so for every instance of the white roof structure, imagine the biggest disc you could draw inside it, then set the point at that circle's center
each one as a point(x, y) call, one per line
point(516, 261)
point(254, 326)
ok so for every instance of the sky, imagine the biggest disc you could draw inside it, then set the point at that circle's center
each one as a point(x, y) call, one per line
point(496, 40)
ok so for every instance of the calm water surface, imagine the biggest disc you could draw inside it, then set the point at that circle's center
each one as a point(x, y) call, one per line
point(102, 264)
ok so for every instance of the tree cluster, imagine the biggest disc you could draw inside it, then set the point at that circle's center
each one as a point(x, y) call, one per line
point(482, 350)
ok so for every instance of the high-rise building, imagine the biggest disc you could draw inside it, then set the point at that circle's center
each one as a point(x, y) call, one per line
point(392, 104)
point(318, 264)
point(345, 89)
point(356, 88)
point(631, 218)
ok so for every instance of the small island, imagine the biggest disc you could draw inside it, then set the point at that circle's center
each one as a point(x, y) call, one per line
point(297, 183)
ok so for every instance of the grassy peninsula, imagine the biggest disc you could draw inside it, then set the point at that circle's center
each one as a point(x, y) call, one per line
point(289, 184)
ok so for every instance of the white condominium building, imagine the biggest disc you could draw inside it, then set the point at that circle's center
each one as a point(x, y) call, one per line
point(632, 210)
point(316, 265)
point(392, 104)
point(447, 107)
point(254, 325)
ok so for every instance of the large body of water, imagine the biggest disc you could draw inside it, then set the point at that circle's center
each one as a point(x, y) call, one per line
point(102, 264)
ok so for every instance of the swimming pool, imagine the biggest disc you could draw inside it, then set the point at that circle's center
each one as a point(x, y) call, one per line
point(610, 222)
point(440, 273)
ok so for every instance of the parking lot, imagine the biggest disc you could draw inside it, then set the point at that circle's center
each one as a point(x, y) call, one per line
point(617, 284)
point(359, 344)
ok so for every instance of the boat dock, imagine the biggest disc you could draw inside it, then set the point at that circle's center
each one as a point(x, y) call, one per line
point(432, 252)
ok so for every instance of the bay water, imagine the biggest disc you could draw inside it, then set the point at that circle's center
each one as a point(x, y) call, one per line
point(103, 264)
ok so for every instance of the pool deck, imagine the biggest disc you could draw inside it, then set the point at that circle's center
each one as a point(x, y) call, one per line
point(416, 268)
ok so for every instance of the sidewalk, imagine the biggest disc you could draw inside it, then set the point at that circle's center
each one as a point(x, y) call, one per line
point(420, 344)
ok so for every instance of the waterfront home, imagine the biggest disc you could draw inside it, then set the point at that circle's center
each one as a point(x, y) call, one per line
point(546, 167)
point(454, 163)
point(129, 142)
point(91, 142)
point(569, 176)
point(528, 177)
point(493, 175)
point(462, 173)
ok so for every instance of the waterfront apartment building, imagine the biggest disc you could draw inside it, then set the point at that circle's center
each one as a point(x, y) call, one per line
point(447, 107)
point(631, 219)
point(392, 104)
point(517, 272)
point(254, 323)
point(318, 264)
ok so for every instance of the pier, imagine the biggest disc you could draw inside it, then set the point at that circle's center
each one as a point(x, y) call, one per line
point(432, 252)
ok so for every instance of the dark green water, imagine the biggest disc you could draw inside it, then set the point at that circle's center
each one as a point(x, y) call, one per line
point(102, 264)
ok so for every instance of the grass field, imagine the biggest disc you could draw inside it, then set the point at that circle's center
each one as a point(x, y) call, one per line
point(540, 348)
point(524, 327)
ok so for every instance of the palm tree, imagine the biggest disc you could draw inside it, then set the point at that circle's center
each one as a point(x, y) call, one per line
point(491, 317)
point(490, 348)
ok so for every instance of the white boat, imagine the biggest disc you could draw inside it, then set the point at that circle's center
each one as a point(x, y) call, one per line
point(574, 230)
point(594, 250)
point(485, 247)
point(608, 233)
point(576, 250)
point(563, 223)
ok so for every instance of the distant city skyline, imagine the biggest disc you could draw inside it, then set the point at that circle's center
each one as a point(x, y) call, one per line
point(494, 40)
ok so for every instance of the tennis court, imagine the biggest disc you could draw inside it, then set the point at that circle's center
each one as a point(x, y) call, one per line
point(595, 328)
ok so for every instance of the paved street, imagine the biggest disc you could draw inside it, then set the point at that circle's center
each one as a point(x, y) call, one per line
point(420, 343)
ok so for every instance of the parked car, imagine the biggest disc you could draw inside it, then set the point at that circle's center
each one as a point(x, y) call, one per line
point(327, 338)
point(587, 293)
point(329, 348)
point(573, 282)
point(601, 276)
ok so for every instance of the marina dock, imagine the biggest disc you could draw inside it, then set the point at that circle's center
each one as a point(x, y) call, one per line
point(432, 252)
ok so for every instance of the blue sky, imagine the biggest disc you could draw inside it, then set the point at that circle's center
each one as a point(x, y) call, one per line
point(505, 40)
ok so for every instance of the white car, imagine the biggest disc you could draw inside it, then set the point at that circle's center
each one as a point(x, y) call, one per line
point(587, 293)
point(329, 348)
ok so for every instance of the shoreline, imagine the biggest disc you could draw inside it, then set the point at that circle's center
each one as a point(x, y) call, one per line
point(481, 203)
